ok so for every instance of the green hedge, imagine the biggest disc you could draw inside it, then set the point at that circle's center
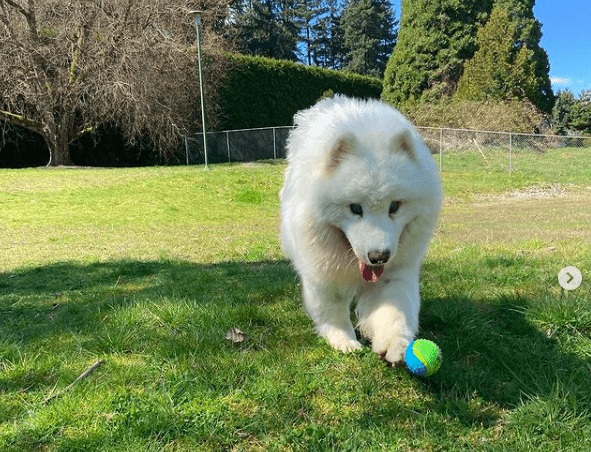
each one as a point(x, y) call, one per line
point(262, 92)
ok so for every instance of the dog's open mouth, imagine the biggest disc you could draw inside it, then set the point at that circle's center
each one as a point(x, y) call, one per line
point(370, 272)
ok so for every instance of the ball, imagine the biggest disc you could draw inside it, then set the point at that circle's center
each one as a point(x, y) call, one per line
point(423, 357)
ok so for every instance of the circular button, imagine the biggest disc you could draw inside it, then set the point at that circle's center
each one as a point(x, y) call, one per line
point(570, 278)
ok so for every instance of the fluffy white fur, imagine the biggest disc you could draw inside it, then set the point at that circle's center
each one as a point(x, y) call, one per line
point(347, 152)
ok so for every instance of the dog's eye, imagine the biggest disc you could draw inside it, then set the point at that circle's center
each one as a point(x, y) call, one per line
point(356, 209)
point(394, 206)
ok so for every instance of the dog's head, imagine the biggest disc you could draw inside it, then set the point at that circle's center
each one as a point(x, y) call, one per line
point(373, 192)
point(372, 185)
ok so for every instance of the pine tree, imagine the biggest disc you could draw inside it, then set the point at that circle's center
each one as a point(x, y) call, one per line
point(328, 46)
point(369, 32)
point(562, 113)
point(582, 117)
point(499, 70)
point(570, 113)
point(308, 13)
point(267, 28)
point(434, 39)
point(528, 33)
point(437, 38)
point(507, 64)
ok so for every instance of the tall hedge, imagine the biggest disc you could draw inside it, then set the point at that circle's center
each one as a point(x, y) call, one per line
point(263, 92)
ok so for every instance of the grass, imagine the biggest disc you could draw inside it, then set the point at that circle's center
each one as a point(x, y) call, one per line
point(148, 269)
point(138, 214)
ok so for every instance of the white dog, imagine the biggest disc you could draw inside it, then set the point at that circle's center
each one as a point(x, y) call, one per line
point(360, 201)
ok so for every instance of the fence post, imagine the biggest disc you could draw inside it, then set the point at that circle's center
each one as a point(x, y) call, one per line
point(274, 146)
point(228, 144)
point(440, 149)
point(187, 150)
point(510, 153)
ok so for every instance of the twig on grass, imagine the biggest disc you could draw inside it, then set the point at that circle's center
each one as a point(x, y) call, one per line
point(82, 376)
point(481, 153)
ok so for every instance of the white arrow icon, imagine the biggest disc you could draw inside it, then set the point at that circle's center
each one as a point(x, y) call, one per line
point(570, 278)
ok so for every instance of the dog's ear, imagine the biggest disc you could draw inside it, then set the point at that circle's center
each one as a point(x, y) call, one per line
point(338, 152)
point(403, 142)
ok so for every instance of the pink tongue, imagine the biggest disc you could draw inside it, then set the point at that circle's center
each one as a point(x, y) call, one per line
point(370, 273)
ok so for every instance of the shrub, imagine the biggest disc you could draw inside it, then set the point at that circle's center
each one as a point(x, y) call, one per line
point(262, 92)
point(496, 116)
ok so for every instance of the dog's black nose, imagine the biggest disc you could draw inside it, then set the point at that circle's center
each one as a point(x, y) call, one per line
point(379, 257)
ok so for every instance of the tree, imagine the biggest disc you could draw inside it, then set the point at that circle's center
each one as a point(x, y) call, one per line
point(369, 31)
point(434, 39)
point(308, 13)
point(528, 33)
point(268, 28)
point(437, 38)
point(316, 31)
point(570, 113)
point(499, 70)
point(68, 67)
point(582, 117)
point(328, 46)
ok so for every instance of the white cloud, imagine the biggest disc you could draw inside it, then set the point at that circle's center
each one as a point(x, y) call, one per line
point(560, 81)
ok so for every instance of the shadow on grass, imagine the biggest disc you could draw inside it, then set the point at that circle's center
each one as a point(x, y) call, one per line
point(493, 353)
point(84, 300)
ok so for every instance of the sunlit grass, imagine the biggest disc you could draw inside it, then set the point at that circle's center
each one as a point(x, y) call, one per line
point(147, 269)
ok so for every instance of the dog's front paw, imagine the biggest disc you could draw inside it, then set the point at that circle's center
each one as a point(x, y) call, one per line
point(341, 341)
point(347, 345)
point(391, 350)
point(342, 338)
point(396, 351)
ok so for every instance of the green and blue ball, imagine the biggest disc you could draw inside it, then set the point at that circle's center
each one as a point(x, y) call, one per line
point(423, 357)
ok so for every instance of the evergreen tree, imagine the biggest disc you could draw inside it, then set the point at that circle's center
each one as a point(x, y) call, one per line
point(562, 113)
point(528, 33)
point(308, 13)
point(582, 117)
point(570, 113)
point(585, 96)
point(267, 28)
point(368, 28)
point(434, 39)
point(328, 46)
point(499, 70)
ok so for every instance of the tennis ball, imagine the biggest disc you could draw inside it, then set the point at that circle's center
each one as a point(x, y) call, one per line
point(423, 357)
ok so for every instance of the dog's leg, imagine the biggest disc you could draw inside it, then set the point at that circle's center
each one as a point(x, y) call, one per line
point(388, 314)
point(329, 309)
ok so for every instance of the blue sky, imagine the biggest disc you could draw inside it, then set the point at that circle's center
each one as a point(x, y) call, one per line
point(566, 29)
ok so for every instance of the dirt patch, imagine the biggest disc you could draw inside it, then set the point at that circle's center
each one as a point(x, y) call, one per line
point(551, 213)
point(530, 193)
point(535, 191)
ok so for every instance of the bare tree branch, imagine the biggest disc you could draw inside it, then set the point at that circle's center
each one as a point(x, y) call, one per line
point(18, 7)
point(67, 67)
point(21, 121)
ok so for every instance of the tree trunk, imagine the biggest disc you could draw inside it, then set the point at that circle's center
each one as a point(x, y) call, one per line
point(59, 154)
point(57, 139)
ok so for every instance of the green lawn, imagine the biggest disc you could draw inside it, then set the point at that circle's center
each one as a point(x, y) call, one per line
point(147, 269)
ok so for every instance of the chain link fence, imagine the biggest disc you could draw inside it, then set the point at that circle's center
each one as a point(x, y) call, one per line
point(498, 150)
point(246, 145)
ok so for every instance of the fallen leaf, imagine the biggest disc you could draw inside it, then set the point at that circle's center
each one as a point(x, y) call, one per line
point(236, 336)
